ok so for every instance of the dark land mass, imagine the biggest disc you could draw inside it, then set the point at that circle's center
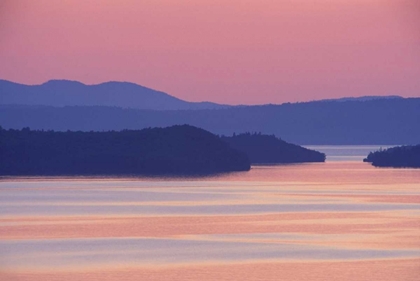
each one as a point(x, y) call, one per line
point(177, 150)
point(267, 149)
point(113, 93)
point(383, 122)
point(397, 157)
point(363, 98)
point(73, 93)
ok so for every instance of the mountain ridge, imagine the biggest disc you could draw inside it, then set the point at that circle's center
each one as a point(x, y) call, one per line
point(362, 98)
point(61, 92)
point(76, 93)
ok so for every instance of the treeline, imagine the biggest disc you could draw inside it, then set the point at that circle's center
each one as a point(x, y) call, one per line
point(176, 150)
point(398, 157)
point(269, 149)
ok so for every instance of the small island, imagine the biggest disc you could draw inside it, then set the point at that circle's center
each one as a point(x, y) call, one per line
point(268, 149)
point(407, 156)
point(176, 150)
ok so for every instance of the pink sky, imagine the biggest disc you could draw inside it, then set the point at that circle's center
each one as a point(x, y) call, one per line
point(236, 52)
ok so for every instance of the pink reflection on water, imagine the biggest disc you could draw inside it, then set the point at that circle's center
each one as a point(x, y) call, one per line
point(41, 214)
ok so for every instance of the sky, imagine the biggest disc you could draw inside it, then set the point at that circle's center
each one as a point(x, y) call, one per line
point(230, 51)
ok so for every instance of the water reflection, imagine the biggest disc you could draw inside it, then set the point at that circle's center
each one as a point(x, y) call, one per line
point(338, 211)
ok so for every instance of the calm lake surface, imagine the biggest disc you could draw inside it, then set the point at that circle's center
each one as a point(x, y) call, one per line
point(339, 220)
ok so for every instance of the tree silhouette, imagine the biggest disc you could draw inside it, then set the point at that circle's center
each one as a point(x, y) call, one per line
point(269, 149)
point(177, 150)
point(399, 157)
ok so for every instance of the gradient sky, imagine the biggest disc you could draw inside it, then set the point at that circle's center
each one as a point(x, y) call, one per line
point(237, 51)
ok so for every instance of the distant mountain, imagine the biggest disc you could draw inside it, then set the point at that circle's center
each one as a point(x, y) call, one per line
point(73, 93)
point(384, 121)
point(397, 157)
point(363, 98)
point(267, 149)
point(176, 150)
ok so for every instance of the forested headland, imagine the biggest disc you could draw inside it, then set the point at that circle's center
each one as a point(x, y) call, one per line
point(268, 149)
point(397, 157)
point(176, 150)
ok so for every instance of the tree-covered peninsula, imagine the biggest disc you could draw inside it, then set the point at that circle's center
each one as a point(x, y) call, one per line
point(397, 157)
point(267, 149)
point(176, 150)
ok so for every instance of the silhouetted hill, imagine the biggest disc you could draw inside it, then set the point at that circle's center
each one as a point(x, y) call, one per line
point(398, 157)
point(385, 121)
point(269, 149)
point(177, 150)
point(363, 98)
point(72, 93)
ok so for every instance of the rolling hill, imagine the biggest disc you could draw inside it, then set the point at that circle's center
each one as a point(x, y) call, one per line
point(73, 93)
point(385, 121)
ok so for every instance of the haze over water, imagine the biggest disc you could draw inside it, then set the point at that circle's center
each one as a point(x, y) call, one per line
point(339, 220)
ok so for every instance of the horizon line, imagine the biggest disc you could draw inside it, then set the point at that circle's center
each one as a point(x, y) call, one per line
point(371, 97)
